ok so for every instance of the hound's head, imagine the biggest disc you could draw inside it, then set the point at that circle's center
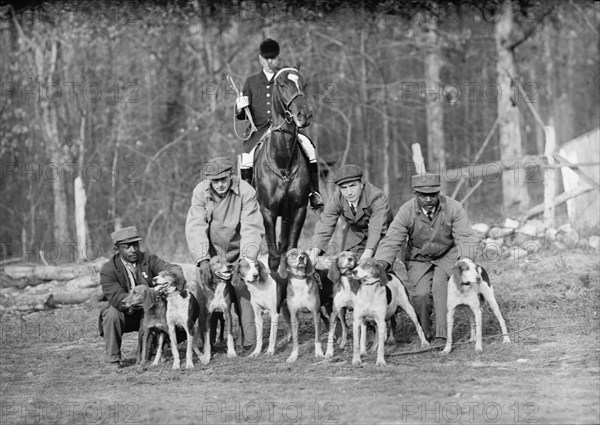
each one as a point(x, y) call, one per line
point(250, 271)
point(135, 298)
point(343, 265)
point(466, 272)
point(167, 282)
point(220, 268)
point(296, 262)
point(369, 271)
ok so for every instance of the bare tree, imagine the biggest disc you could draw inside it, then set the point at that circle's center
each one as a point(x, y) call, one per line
point(515, 195)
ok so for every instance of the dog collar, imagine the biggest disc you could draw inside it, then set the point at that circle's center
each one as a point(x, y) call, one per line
point(372, 283)
point(297, 276)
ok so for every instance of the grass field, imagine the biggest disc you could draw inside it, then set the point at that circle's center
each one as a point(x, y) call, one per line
point(53, 370)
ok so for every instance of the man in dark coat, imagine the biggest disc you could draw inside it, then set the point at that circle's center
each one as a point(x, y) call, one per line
point(436, 231)
point(129, 267)
point(256, 96)
point(364, 208)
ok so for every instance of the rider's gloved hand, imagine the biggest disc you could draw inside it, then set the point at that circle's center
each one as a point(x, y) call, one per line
point(242, 102)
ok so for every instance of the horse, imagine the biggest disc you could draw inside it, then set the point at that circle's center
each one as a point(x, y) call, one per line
point(281, 175)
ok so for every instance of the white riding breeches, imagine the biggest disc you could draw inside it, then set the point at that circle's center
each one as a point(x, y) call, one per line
point(247, 159)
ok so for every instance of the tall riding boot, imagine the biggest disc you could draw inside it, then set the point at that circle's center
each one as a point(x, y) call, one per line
point(316, 201)
point(246, 174)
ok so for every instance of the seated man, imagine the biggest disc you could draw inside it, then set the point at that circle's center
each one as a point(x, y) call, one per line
point(129, 267)
point(256, 95)
point(436, 231)
point(364, 208)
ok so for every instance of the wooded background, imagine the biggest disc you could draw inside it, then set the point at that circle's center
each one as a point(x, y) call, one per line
point(132, 98)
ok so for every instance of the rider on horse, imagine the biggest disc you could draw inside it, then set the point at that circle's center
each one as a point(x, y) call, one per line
point(256, 95)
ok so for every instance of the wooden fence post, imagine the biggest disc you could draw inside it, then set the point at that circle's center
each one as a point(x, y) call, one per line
point(549, 177)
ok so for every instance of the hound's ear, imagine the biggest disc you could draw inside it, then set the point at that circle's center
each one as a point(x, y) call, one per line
point(148, 300)
point(235, 275)
point(334, 274)
point(282, 269)
point(310, 267)
point(179, 282)
point(262, 271)
point(382, 275)
point(456, 275)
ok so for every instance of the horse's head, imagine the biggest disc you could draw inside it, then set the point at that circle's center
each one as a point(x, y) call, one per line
point(289, 101)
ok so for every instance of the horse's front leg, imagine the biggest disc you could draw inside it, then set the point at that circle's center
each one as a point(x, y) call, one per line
point(269, 220)
point(295, 227)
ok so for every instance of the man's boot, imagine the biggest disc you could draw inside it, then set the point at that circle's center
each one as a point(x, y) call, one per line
point(246, 174)
point(316, 201)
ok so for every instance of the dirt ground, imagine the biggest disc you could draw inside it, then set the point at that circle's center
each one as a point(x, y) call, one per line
point(53, 369)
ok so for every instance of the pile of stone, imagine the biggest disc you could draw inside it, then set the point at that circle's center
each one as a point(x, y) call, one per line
point(523, 242)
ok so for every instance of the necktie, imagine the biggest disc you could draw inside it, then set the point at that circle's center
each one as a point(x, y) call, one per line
point(430, 215)
point(132, 272)
point(353, 209)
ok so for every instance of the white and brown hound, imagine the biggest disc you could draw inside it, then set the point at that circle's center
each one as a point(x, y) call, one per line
point(470, 285)
point(345, 288)
point(265, 296)
point(378, 298)
point(182, 311)
point(154, 322)
point(220, 297)
point(302, 294)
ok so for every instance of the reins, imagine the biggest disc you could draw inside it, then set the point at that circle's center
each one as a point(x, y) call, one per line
point(288, 118)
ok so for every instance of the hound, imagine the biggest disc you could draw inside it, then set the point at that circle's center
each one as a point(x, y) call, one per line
point(182, 311)
point(302, 294)
point(470, 285)
point(345, 288)
point(378, 298)
point(265, 296)
point(154, 322)
point(220, 297)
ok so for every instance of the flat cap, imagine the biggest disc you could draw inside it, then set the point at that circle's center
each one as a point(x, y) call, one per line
point(125, 235)
point(348, 173)
point(218, 167)
point(426, 183)
point(269, 49)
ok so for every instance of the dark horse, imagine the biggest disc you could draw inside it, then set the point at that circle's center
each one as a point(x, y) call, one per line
point(281, 172)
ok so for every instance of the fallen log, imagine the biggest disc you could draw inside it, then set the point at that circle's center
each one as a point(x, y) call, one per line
point(15, 299)
point(35, 272)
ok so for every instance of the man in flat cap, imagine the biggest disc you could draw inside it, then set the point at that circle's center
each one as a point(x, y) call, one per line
point(436, 231)
point(129, 267)
point(256, 95)
point(224, 220)
point(364, 208)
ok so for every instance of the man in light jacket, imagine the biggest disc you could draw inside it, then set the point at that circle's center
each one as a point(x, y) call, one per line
point(224, 220)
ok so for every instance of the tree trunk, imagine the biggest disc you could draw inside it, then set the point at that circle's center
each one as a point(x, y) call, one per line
point(436, 152)
point(515, 196)
point(50, 131)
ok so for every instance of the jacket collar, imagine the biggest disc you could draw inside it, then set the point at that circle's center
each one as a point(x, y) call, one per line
point(210, 193)
point(419, 211)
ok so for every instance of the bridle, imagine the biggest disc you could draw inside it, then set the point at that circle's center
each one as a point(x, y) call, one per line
point(285, 103)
